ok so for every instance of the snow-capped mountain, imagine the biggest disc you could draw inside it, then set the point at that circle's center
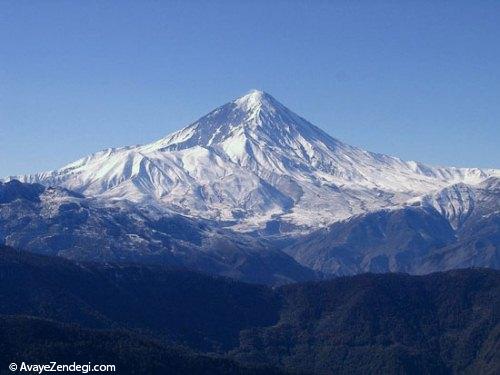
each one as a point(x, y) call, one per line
point(457, 202)
point(456, 227)
point(253, 161)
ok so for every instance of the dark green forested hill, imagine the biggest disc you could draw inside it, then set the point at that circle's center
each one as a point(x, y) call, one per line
point(39, 341)
point(387, 323)
point(372, 323)
point(200, 311)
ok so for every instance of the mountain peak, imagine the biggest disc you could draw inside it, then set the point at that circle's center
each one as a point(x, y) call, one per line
point(255, 100)
point(255, 93)
point(254, 120)
point(252, 160)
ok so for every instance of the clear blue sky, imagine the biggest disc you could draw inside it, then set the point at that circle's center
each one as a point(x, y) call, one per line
point(415, 79)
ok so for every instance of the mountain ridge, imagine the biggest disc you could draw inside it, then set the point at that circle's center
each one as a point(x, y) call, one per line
point(251, 161)
point(57, 221)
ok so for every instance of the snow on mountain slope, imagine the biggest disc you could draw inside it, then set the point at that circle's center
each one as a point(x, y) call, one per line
point(457, 202)
point(251, 161)
point(57, 221)
point(456, 227)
